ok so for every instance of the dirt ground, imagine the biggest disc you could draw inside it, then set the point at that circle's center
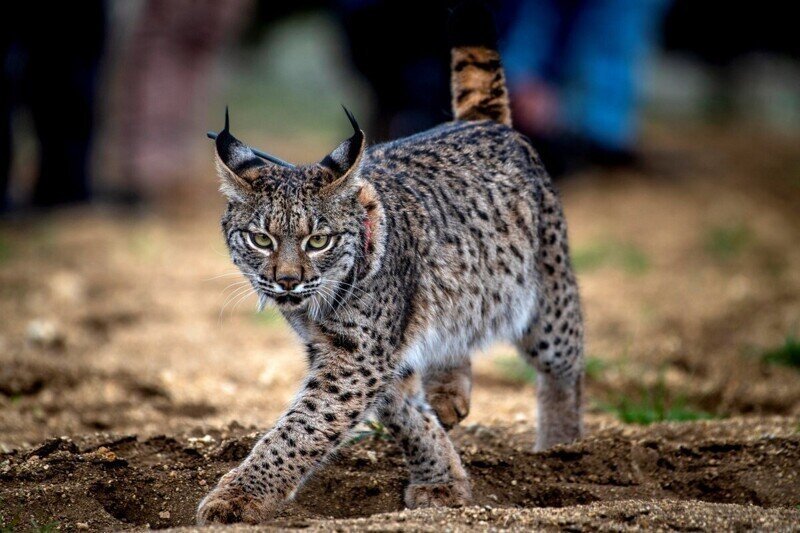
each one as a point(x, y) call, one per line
point(133, 374)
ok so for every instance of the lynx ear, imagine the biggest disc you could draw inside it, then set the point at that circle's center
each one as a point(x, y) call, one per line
point(237, 165)
point(344, 161)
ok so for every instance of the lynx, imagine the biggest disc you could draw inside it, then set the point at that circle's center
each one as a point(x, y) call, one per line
point(394, 263)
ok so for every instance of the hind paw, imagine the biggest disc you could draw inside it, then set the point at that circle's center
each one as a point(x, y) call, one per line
point(448, 393)
point(457, 493)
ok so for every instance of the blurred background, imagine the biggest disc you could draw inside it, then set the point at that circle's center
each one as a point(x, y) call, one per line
point(671, 127)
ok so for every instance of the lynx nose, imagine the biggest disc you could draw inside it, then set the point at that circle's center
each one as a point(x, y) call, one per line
point(288, 283)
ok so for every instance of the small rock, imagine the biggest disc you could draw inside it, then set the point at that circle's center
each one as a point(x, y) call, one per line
point(205, 439)
point(106, 454)
point(483, 433)
point(45, 333)
point(164, 514)
point(82, 525)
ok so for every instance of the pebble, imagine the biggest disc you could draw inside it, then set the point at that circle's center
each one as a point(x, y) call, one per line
point(164, 514)
point(205, 439)
point(45, 333)
point(483, 433)
point(105, 454)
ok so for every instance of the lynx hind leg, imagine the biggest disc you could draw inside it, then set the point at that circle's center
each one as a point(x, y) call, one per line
point(554, 346)
point(553, 343)
point(437, 478)
point(448, 390)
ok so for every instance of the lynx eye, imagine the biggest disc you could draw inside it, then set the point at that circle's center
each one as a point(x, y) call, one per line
point(317, 242)
point(261, 240)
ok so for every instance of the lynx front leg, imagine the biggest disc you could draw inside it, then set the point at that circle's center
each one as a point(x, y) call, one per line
point(437, 477)
point(448, 391)
point(342, 384)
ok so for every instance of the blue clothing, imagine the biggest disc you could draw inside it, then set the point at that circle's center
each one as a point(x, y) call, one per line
point(591, 51)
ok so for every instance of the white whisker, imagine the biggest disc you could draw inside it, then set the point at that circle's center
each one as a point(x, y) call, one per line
point(337, 301)
point(224, 275)
point(242, 299)
point(325, 292)
point(235, 294)
point(233, 288)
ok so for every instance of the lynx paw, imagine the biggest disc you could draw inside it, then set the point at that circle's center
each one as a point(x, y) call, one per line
point(450, 408)
point(456, 493)
point(448, 394)
point(229, 503)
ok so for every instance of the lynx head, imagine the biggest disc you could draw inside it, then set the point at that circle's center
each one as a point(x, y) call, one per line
point(301, 235)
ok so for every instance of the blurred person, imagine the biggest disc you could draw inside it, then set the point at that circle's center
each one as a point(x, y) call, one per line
point(50, 64)
point(410, 77)
point(165, 82)
point(573, 67)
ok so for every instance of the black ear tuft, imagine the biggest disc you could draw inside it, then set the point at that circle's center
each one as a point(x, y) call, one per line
point(263, 155)
point(352, 119)
point(237, 165)
point(235, 155)
point(347, 155)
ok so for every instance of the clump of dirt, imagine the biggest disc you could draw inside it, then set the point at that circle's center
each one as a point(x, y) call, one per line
point(626, 477)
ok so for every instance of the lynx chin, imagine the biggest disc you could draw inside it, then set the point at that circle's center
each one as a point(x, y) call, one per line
point(394, 263)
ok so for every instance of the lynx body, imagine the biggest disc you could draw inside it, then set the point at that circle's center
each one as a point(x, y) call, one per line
point(394, 263)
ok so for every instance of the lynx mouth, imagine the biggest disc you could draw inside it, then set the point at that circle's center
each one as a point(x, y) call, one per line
point(293, 299)
point(286, 298)
point(290, 299)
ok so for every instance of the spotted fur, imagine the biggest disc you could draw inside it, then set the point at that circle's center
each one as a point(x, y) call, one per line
point(439, 244)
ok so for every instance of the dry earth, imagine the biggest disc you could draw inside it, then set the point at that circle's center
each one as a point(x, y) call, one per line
point(113, 333)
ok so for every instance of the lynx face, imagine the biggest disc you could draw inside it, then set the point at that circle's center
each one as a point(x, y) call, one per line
point(297, 233)
point(296, 244)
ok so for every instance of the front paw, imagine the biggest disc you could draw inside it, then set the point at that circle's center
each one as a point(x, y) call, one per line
point(457, 493)
point(230, 502)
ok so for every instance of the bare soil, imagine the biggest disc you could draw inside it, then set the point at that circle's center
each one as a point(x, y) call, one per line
point(128, 384)
point(632, 476)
